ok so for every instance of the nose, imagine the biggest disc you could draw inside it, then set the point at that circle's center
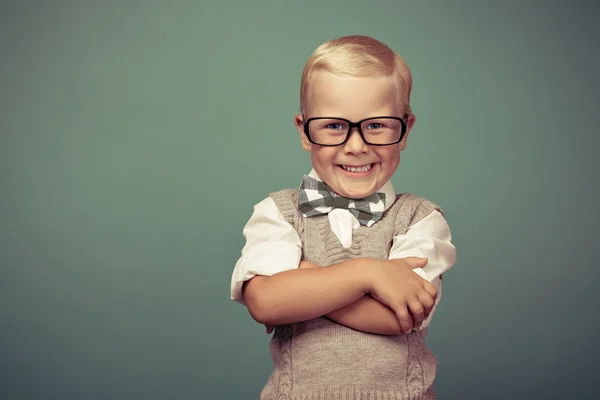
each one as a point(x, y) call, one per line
point(355, 143)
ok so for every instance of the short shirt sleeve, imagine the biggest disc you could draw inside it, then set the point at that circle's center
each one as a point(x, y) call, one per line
point(272, 246)
point(430, 237)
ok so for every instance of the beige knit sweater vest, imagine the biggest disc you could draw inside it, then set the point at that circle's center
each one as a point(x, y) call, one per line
point(321, 359)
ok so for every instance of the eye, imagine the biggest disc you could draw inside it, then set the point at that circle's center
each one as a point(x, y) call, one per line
point(374, 125)
point(334, 126)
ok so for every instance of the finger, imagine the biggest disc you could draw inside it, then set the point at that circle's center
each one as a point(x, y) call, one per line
point(426, 299)
point(405, 319)
point(427, 302)
point(417, 311)
point(429, 288)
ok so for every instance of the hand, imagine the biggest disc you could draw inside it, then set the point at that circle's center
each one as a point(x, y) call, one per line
point(394, 284)
point(426, 301)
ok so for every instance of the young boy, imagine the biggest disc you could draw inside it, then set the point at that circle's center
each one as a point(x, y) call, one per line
point(348, 272)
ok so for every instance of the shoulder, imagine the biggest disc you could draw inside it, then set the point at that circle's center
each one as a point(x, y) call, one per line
point(408, 209)
point(286, 201)
point(414, 203)
point(267, 219)
point(275, 199)
point(284, 195)
point(265, 211)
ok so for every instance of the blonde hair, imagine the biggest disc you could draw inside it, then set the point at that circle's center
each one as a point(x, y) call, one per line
point(358, 55)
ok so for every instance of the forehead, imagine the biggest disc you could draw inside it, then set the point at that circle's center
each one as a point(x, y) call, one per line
point(351, 97)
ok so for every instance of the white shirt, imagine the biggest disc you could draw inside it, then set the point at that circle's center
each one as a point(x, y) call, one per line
point(273, 245)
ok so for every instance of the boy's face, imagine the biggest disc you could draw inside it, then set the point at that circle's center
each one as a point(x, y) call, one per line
point(353, 98)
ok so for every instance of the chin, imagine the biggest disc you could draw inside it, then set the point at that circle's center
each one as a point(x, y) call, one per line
point(351, 190)
point(357, 193)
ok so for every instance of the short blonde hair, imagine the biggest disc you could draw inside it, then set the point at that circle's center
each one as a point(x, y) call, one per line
point(358, 55)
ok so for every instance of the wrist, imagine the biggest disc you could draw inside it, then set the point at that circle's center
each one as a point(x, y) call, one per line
point(363, 272)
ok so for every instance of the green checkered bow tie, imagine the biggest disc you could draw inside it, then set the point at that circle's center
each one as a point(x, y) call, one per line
point(316, 198)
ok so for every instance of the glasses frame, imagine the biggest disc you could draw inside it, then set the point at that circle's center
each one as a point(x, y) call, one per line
point(352, 125)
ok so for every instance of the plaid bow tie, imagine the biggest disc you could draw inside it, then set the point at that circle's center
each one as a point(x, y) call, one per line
point(315, 198)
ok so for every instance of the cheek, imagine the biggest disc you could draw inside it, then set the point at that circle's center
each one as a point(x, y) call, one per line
point(322, 156)
point(391, 156)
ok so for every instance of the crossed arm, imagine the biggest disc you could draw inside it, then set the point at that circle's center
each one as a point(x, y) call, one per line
point(355, 309)
point(365, 314)
point(339, 293)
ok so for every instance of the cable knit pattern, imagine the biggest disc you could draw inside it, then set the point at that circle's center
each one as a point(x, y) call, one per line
point(285, 354)
point(321, 359)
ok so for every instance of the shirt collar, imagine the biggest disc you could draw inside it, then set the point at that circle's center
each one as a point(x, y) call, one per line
point(387, 189)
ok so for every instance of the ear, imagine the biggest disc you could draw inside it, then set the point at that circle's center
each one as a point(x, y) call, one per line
point(299, 122)
point(410, 122)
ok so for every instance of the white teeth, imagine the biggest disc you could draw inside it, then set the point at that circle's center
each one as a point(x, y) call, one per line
point(357, 169)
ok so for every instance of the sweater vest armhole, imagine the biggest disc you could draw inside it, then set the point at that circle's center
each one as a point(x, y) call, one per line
point(423, 209)
point(411, 209)
point(286, 200)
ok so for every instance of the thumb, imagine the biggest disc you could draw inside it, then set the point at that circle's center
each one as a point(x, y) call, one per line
point(416, 262)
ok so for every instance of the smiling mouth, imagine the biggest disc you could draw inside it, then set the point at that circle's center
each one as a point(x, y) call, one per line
point(358, 168)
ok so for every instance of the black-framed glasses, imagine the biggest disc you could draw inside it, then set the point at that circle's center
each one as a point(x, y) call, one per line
point(375, 131)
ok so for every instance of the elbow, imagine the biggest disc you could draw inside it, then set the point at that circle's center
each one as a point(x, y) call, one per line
point(256, 303)
point(257, 311)
point(262, 314)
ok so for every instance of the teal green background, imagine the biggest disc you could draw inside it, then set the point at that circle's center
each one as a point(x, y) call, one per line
point(136, 136)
